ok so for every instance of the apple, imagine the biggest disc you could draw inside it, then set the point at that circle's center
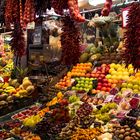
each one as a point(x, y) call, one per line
point(135, 81)
point(99, 87)
point(102, 75)
point(136, 87)
point(105, 80)
point(123, 89)
point(136, 91)
point(130, 86)
point(108, 76)
point(105, 84)
point(100, 79)
point(124, 85)
point(99, 84)
point(103, 88)
point(108, 89)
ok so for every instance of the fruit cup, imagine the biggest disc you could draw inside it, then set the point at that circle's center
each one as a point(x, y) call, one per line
point(6, 79)
point(134, 102)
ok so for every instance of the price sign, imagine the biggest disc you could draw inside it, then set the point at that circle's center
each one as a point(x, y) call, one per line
point(125, 17)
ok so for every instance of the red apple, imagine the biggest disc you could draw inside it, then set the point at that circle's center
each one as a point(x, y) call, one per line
point(88, 75)
point(105, 84)
point(105, 80)
point(99, 87)
point(100, 79)
point(102, 75)
point(103, 65)
point(103, 88)
point(99, 84)
point(108, 89)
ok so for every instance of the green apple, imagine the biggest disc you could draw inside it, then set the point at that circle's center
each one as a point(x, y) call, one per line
point(123, 89)
point(80, 88)
point(124, 85)
point(78, 85)
point(76, 88)
point(136, 87)
point(87, 82)
point(90, 87)
point(135, 81)
point(130, 86)
point(73, 88)
point(108, 76)
point(136, 91)
point(87, 79)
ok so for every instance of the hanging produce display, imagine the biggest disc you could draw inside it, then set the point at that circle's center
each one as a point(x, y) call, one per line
point(132, 37)
point(107, 7)
point(70, 41)
point(59, 6)
point(71, 5)
point(29, 12)
point(74, 11)
point(11, 12)
point(21, 14)
point(18, 42)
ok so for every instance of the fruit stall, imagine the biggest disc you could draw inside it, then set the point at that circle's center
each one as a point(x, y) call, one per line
point(91, 93)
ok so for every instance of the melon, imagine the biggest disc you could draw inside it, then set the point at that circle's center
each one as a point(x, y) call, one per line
point(84, 57)
point(94, 57)
point(93, 50)
point(88, 48)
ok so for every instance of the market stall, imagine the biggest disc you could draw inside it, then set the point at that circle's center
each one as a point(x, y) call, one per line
point(82, 79)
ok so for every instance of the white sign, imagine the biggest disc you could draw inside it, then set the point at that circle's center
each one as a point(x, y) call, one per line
point(125, 17)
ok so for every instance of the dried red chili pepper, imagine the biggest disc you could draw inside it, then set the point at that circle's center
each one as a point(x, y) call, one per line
point(21, 14)
point(132, 37)
point(74, 11)
point(59, 6)
point(11, 12)
point(18, 41)
point(29, 12)
point(70, 41)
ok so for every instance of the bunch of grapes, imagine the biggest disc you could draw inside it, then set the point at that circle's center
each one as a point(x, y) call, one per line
point(134, 112)
point(128, 121)
point(84, 110)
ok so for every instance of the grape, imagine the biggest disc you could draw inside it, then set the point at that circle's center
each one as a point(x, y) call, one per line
point(84, 110)
point(128, 121)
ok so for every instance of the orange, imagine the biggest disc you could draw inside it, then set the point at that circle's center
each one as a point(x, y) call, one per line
point(94, 91)
point(110, 80)
point(113, 85)
point(115, 81)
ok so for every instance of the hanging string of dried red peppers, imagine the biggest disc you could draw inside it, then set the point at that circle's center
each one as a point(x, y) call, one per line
point(132, 37)
point(107, 7)
point(11, 12)
point(70, 41)
point(29, 12)
point(61, 5)
point(21, 14)
point(18, 41)
point(74, 11)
